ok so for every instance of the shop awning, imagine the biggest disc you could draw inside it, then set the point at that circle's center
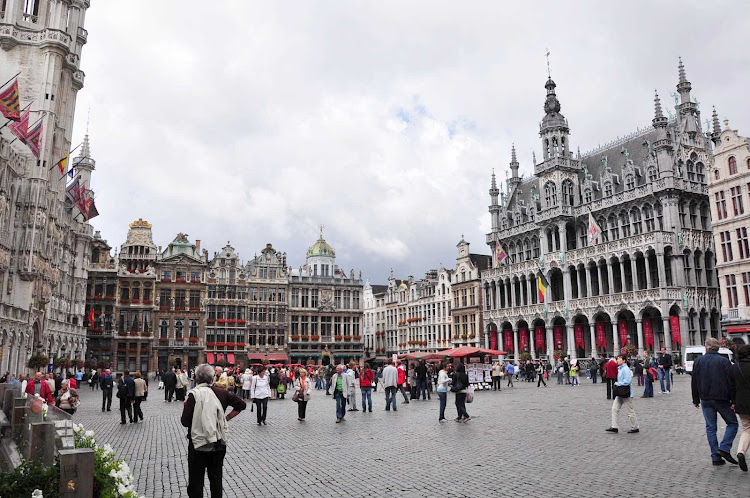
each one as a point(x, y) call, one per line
point(255, 356)
point(230, 358)
point(210, 358)
point(737, 330)
point(277, 357)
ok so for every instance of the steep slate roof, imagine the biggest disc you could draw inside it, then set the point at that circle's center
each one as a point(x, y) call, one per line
point(481, 261)
point(379, 289)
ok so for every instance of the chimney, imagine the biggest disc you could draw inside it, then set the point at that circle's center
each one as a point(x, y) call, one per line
point(197, 245)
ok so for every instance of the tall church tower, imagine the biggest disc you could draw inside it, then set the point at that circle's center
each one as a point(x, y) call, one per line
point(44, 243)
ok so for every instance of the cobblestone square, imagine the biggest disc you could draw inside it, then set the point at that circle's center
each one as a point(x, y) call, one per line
point(522, 441)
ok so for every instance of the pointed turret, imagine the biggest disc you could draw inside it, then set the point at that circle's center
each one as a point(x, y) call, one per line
point(554, 127)
point(494, 206)
point(514, 164)
point(84, 164)
point(683, 85)
point(659, 120)
point(716, 134)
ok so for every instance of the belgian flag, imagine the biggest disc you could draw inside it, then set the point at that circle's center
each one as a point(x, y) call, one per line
point(541, 286)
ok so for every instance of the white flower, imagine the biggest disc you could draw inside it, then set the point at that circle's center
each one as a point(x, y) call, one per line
point(37, 494)
point(89, 434)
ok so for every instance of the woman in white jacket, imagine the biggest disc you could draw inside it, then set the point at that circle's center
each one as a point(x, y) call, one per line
point(303, 388)
point(260, 391)
point(443, 384)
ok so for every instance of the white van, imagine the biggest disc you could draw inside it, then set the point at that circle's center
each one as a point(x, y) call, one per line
point(693, 352)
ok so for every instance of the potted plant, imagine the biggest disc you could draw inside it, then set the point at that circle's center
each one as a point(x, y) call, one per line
point(524, 356)
point(630, 350)
point(38, 361)
point(193, 339)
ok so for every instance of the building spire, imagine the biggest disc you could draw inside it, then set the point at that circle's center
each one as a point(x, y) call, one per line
point(683, 85)
point(716, 134)
point(659, 120)
point(681, 71)
point(493, 184)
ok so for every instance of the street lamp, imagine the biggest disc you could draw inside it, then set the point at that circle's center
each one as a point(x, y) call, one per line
point(39, 347)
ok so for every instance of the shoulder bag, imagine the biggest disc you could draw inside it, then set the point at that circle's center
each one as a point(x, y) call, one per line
point(622, 391)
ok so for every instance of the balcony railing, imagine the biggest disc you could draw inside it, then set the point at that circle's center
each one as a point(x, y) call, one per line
point(734, 313)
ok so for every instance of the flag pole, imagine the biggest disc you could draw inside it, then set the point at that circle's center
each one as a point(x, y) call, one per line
point(71, 168)
point(11, 79)
point(67, 155)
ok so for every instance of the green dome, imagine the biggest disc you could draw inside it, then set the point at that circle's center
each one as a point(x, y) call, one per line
point(321, 248)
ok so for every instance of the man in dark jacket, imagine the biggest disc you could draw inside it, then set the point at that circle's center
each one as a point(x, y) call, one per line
point(713, 385)
point(106, 384)
point(610, 375)
point(170, 383)
point(126, 393)
point(665, 369)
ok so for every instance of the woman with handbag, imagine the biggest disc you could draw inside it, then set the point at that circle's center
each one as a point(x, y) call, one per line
point(302, 392)
point(460, 385)
point(260, 391)
point(67, 398)
point(623, 393)
point(247, 378)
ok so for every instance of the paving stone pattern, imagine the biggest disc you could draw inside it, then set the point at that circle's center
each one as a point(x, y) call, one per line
point(522, 441)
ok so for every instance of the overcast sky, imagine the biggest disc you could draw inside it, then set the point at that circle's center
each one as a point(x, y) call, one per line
point(257, 121)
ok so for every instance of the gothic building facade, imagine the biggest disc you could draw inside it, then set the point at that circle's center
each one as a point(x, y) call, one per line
point(268, 328)
point(44, 245)
point(650, 278)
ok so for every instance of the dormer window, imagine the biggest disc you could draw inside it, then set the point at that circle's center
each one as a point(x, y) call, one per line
point(608, 189)
point(630, 182)
point(587, 196)
point(652, 174)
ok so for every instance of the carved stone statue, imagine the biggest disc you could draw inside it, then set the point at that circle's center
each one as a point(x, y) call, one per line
point(605, 161)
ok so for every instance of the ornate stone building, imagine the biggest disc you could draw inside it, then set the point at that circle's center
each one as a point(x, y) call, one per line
point(650, 276)
point(325, 309)
point(268, 325)
point(101, 296)
point(180, 298)
point(466, 291)
point(373, 316)
point(226, 308)
point(136, 274)
point(44, 245)
point(729, 191)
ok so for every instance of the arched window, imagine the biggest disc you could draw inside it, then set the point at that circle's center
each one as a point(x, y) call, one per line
point(704, 216)
point(659, 215)
point(630, 182)
point(652, 174)
point(587, 196)
point(732, 165)
point(625, 224)
point(691, 171)
point(567, 193)
point(748, 163)
point(683, 214)
point(648, 215)
point(614, 228)
point(717, 175)
point(700, 172)
point(555, 146)
point(550, 194)
point(635, 218)
point(518, 218)
point(603, 226)
point(608, 189)
point(693, 215)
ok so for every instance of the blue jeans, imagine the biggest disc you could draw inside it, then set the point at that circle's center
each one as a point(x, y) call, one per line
point(649, 391)
point(390, 397)
point(664, 374)
point(443, 401)
point(340, 404)
point(710, 408)
point(366, 396)
point(422, 388)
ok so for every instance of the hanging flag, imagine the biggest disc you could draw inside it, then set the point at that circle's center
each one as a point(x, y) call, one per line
point(92, 211)
point(500, 254)
point(73, 191)
point(558, 333)
point(674, 326)
point(91, 318)
point(63, 163)
point(539, 338)
point(578, 334)
point(622, 325)
point(21, 127)
point(10, 102)
point(648, 333)
point(541, 286)
point(34, 139)
point(594, 230)
point(508, 339)
point(601, 337)
point(523, 339)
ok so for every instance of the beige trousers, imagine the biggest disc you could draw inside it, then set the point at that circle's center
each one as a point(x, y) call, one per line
point(617, 404)
point(745, 437)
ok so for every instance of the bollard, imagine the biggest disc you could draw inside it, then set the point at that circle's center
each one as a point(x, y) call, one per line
point(42, 443)
point(77, 473)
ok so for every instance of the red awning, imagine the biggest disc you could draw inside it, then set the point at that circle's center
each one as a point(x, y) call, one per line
point(277, 357)
point(471, 351)
point(255, 356)
point(737, 330)
point(230, 358)
point(210, 358)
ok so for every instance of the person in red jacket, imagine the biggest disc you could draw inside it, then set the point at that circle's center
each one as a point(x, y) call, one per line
point(366, 379)
point(402, 381)
point(39, 386)
point(610, 374)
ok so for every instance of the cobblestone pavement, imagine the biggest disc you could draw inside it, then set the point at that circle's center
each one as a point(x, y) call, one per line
point(520, 441)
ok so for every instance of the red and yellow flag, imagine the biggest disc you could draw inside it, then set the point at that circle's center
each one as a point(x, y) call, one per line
point(10, 102)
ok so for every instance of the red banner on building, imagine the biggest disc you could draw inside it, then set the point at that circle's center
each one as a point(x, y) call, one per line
point(493, 340)
point(539, 344)
point(622, 326)
point(601, 337)
point(558, 334)
point(578, 334)
point(648, 333)
point(508, 339)
point(523, 340)
point(674, 325)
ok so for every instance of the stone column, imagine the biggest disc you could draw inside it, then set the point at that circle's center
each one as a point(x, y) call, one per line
point(515, 344)
point(563, 237)
point(639, 324)
point(615, 337)
point(594, 353)
point(622, 276)
point(609, 277)
point(634, 273)
point(529, 292)
point(589, 287)
point(667, 334)
point(649, 284)
point(571, 342)
point(550, 345)
point(661, 269)
point(532, 346)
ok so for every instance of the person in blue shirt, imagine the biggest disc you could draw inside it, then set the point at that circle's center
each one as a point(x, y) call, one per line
point(624, 378)
point(509, 371)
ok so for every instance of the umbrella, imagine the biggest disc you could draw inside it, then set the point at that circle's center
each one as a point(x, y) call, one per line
point(472, 351)
point(423, 356)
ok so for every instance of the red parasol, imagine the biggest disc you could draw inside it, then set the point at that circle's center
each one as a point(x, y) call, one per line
point(471, 351)
point(423, 356)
